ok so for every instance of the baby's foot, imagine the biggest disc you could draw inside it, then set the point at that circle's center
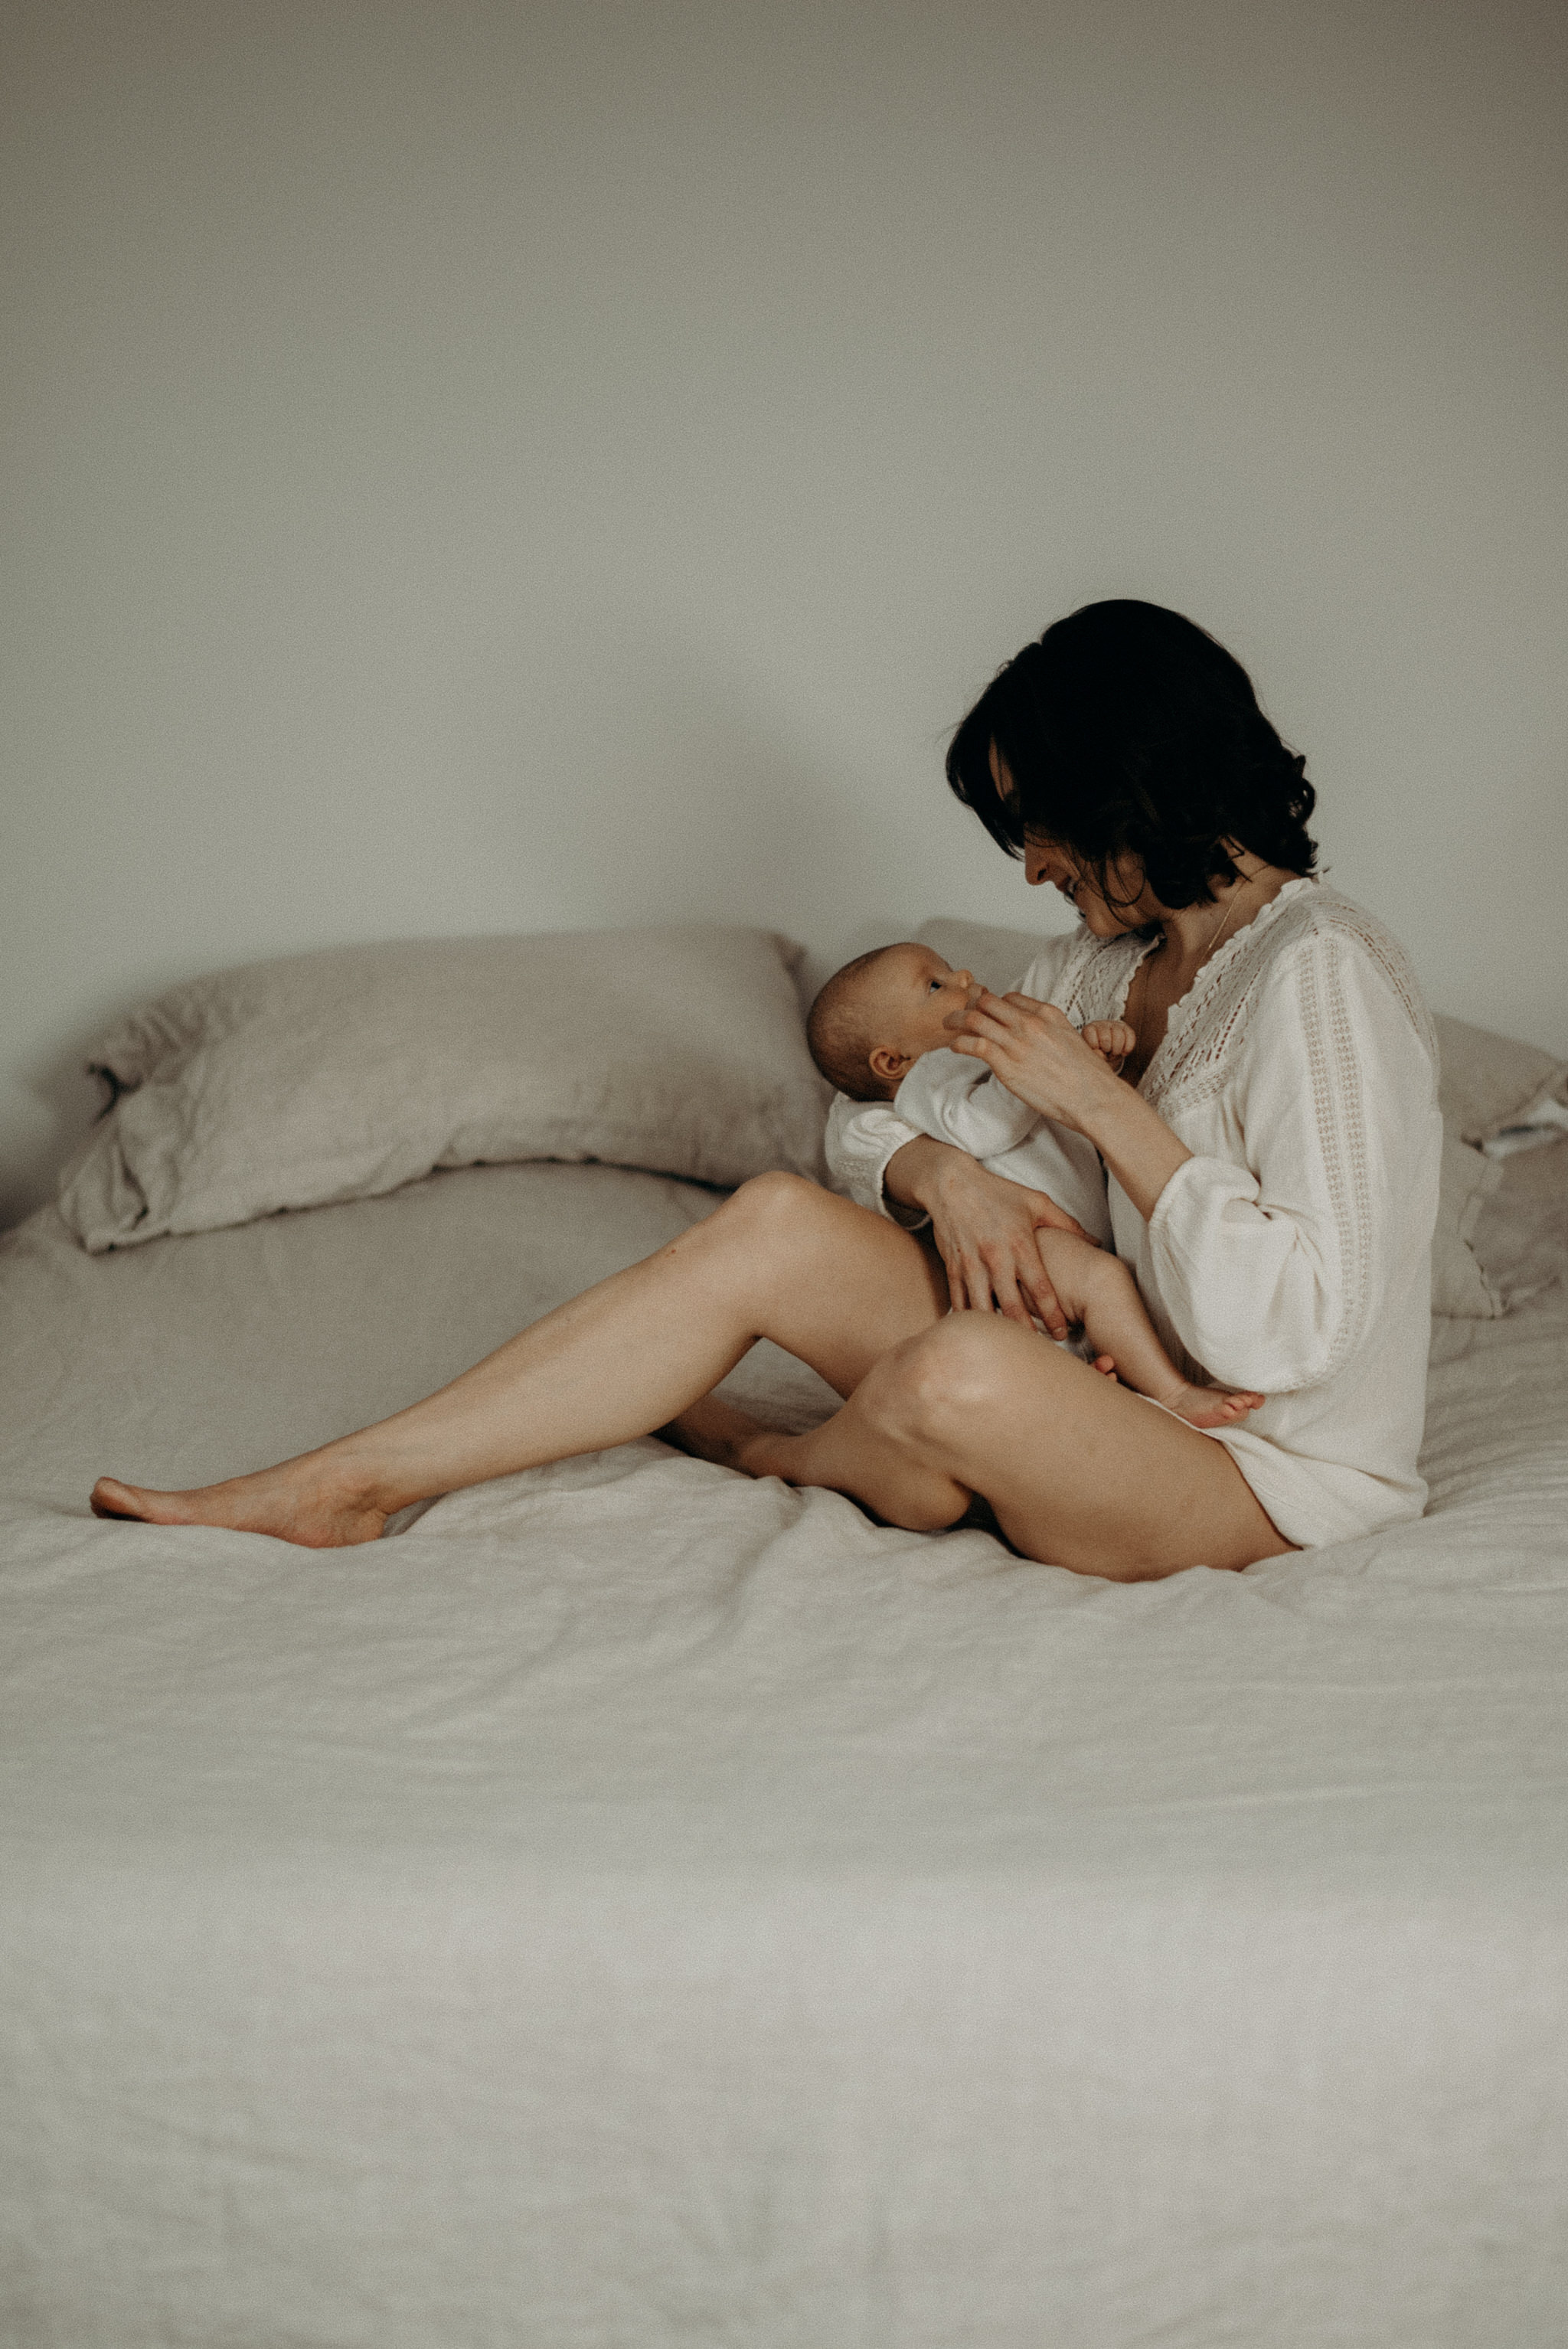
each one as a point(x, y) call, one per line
point(304, 1501)
point(1210, 1406)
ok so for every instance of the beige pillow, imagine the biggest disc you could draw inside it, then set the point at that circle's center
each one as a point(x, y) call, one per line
point(1492, 1081)
point(341, 1075)
point(1487, 1082)
point(1459, 1284)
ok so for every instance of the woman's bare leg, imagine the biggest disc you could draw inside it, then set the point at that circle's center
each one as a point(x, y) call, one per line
point(782, 1259)
point(1079, 1472)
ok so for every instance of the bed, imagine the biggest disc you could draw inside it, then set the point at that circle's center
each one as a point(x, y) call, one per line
point(630, 1905)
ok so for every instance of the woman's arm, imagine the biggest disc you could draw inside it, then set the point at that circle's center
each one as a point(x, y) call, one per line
point(983, 1226)
point(1270, 1268)
point(1286, 1261)
point(1041, 1059)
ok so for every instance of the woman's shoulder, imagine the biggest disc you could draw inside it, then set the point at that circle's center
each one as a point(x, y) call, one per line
point(1312, 963)
point(1310, 925)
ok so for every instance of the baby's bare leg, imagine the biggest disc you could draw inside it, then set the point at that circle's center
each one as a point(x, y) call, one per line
point(1098, 1290)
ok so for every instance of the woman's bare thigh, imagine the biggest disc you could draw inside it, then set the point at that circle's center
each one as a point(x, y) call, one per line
point(829, 1282)
point(1079, 1471)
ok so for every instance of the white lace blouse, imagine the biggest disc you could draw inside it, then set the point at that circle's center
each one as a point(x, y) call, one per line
point(1292, 1252)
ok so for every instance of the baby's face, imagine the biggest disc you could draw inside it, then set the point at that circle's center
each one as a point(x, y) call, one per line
point(910, 994)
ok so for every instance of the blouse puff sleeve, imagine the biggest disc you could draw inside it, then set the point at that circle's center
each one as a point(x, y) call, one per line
point(862, 1137)
point(1273, 1269)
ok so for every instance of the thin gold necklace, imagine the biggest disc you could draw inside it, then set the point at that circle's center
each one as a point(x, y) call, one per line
point(1140, 977)
point(1215, 936)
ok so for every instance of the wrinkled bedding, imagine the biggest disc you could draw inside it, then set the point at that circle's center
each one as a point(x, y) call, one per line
point(634, 1905)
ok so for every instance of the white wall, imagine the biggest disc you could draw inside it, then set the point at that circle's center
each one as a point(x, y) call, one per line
point(498, 467)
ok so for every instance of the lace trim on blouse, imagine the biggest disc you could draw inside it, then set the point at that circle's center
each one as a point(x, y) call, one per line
point(1206, 1026)
point(1195, 1059)
point(1339, 1115)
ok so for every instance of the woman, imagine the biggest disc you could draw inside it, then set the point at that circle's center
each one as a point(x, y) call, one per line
point(1272, 1180)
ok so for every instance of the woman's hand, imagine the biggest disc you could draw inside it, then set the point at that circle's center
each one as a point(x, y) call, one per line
point(1039, 1055)
point(983, 1226)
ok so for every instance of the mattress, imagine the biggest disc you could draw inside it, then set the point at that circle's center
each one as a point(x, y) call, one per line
point(632, 1905)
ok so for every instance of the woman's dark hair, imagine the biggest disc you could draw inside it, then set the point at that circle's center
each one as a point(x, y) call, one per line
point(1128, 729)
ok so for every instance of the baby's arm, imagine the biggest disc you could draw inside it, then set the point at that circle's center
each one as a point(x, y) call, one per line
point(953, 1097)
point(1113, 1040)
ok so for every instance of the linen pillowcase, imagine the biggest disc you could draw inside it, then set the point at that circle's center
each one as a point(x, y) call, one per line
point(1487, 1082)
point(1495, 1084)
point(1495, 1091)
point(344, 1074)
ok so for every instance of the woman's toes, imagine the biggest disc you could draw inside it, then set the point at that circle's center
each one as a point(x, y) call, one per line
point(111, 1498)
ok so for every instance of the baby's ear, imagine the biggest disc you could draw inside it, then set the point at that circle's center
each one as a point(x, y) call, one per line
point(884, 1061)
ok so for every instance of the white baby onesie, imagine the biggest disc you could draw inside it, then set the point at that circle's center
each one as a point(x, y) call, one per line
point(953, 1097)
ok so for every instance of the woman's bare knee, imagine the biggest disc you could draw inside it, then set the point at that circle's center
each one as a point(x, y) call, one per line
point(868, 1451)
point(925, 1392)
point(769, 1223)
point(776, 1204)
point(777, 1190)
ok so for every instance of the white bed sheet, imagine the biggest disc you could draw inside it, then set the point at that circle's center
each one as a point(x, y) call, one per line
point(636, 1905)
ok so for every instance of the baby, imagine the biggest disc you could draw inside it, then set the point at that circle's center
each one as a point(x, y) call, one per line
point(878, 1032)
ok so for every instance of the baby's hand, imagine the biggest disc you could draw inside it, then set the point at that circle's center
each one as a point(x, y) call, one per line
point(1113, 1040)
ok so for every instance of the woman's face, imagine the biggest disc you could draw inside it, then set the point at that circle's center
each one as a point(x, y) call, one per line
point(1131, 905)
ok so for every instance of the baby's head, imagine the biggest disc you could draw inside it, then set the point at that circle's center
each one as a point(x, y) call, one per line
point(875, 1017)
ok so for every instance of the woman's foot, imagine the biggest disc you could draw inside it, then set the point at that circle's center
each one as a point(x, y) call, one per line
point(304, 1501)
point(713, 1430)
point(1210, 1406)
